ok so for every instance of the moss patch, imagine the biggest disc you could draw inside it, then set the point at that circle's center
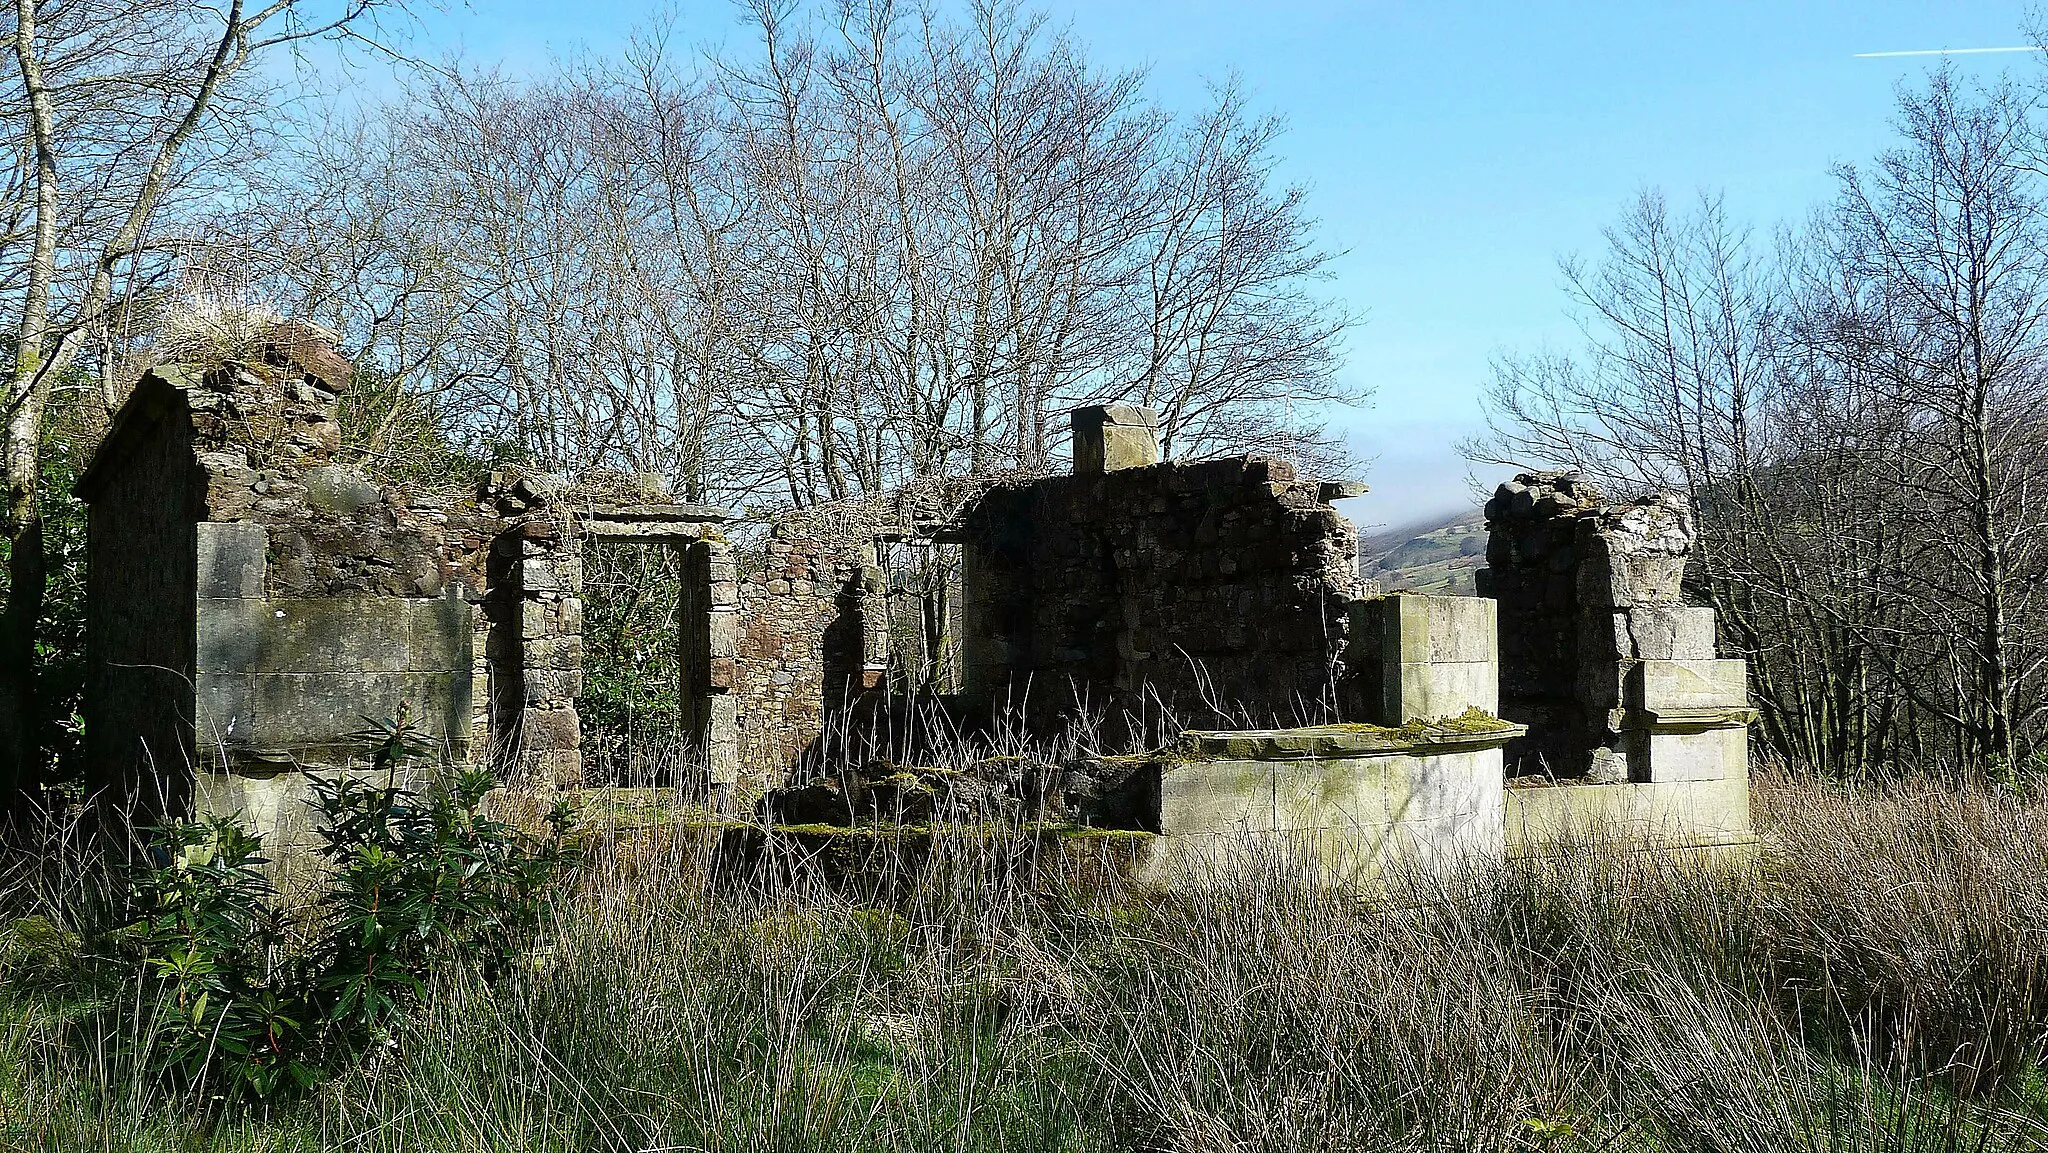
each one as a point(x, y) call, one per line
point(1471, 728)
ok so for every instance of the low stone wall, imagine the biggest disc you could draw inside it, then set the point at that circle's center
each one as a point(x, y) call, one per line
point(1333, 805)
point(1544, 819)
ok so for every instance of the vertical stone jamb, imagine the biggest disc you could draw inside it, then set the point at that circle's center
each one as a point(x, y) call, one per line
point(710, 604)
point(551, 652)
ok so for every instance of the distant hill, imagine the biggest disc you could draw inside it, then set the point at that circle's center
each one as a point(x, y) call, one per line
point(1436, 556)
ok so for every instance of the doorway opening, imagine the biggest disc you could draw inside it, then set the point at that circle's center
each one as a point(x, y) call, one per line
point(633, 706)
point(921, 578)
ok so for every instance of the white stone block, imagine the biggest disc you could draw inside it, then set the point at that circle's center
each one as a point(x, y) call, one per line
point(1672, 685)
point(1671, 632)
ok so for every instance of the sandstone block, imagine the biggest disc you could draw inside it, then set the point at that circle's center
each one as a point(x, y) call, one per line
point(550, 728)
point(233, 559)
point(1669, 685)
point(1671, 632)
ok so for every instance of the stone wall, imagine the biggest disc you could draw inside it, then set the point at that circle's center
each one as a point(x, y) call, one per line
point(806, 646)
point(537, 712)
point(1336, 805)
point(1415, 657)
point(280, 596)
point(285, 679)
point(140, 632)
point(1211, 593)
point(1613, 673)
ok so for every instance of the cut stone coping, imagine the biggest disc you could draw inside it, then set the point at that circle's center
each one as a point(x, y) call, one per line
point(1474, 730)
point(1683, 720)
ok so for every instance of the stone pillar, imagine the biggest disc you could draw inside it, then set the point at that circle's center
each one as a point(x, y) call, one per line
point(1108, 437)
point(1425, 658)
point(550, 739)
point(1593, 633)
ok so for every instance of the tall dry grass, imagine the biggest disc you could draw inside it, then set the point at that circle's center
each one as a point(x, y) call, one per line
point(1873, 982)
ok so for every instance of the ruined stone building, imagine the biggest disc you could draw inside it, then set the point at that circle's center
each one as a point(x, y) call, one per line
point(254, 598)
point(254, 602)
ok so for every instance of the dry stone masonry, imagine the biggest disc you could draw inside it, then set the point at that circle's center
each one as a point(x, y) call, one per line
point(811, 642)
point(1205, 593)
point(255, 595)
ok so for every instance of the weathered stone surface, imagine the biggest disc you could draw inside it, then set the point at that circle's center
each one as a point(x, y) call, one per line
point(1589, 597)
point(1114, 436)
point(552, 684)
point(1220, 585)
point(609, 520)
point(1692, 684)
point(547, 729)
point(314, 716)
point(1349, 740)
point(341, 489)
point(559, 617)
point(798, 644)
point(1421, 658)
point(1705, 814)
point(1671, 632)
point(233, 560)
point(880, 793)
point(1711, 754)
point(1336, 820)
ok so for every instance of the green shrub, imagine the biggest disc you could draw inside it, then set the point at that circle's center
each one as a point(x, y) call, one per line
point(211, 986)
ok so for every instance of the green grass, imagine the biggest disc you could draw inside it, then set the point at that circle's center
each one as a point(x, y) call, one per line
point(1877, 982)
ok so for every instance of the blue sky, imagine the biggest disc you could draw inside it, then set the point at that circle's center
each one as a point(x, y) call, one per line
point(1455, 150)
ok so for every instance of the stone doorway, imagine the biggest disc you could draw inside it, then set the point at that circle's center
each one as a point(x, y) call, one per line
point(633, 710)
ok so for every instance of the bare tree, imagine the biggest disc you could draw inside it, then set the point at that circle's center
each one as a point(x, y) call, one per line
point(120, 105)
point(1945, 246)
point(1857, 412)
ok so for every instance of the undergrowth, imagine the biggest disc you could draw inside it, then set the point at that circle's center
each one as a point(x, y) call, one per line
point(1873, 981)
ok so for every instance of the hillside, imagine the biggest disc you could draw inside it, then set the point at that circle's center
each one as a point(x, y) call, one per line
point(1435, 556)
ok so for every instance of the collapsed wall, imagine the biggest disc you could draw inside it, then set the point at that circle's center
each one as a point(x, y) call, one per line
point(253, 599)
point(1217, 592)
point(250, 599)
point(255, 603)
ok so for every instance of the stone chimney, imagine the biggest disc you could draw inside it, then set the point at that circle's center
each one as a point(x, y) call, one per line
point(1108, 437)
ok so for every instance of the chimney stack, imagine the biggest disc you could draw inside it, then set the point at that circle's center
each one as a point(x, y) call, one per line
point(1108, 437)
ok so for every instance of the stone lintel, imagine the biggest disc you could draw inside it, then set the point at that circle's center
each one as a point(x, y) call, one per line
point(665, 513)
